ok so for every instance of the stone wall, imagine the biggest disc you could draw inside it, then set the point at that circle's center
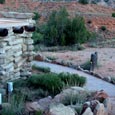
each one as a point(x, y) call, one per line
point(16, 49)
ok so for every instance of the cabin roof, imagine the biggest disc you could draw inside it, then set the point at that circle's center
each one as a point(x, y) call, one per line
point(10, 22)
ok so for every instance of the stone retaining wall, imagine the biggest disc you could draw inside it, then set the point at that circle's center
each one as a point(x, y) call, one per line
point(16, 50)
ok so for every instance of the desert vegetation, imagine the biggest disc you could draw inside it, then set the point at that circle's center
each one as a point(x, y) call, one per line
point(61, 30)
point(39, 86)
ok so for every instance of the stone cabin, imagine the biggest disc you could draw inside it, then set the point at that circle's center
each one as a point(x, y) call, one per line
point(16, 49)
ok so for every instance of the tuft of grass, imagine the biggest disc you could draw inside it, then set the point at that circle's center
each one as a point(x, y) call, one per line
point(72, 79)
point(49, 82)
point(75, 99)
point(20, 83)
point(51, 58)
point(43, 69)
point(16, 106)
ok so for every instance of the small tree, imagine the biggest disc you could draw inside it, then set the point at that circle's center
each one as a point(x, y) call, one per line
point(61, 30)
point(77, 32)
point(55, 27)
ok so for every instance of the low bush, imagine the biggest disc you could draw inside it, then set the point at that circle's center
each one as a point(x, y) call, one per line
point(103, 28)
point(2, 1)
point(36, 16)
point(86, 65)
point(72, 79)
point(37, 37)
point(83, 1)
point(113, 14)
point(50, 82)
point(43, 69)
point(38, 113)
point(20, 83)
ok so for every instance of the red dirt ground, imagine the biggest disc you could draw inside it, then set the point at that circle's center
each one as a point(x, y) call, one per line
point(106, 59)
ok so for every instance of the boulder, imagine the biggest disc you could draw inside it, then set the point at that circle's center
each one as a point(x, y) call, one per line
point(60, 109)
point(101, 95)
point(32, 106)
point(88, 112)
point(45, 102)
point(85, 106)
point(39, 57)
point(108, 104)
point(93, 104)
point(42, 104)
point(99, 110)
point(69, 92)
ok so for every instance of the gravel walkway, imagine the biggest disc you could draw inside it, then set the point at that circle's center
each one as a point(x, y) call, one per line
point(93, 83)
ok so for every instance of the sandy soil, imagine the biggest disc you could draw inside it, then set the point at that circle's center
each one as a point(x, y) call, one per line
point(106, 59)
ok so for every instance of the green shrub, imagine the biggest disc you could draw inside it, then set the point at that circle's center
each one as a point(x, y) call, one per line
point(72, 79)
point(43, 69)
point(49, 82)
point(20, 83)
point(2, 1)
point(36, 16)
point(63, 31)
point(83, 1)
point(103, 28)
point(113, 14)
point(80, 47)
point(38, 113)
point(37, 37)
point(86, 65)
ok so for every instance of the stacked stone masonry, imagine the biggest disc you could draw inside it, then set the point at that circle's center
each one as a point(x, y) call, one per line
point(16, 50)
